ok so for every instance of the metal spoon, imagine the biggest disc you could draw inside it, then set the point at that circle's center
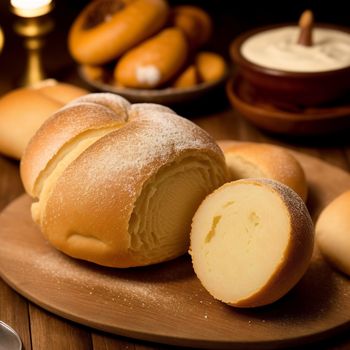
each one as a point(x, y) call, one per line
point(9, 339)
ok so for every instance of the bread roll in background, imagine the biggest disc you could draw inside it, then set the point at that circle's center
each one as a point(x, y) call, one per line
point(210, 66)
point(194, 22)
point(106, 29)
point(253, 160)
point(251, 242)
point(117, 184)
point(22, 111)
point(154, 62)
point(187, 78)
point(333, 232)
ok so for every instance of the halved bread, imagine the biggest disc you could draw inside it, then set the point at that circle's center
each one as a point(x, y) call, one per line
point(251, 242)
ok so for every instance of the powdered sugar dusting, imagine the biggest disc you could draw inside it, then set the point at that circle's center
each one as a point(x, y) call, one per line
point(107, 177)
point(141, 109)
point(136, 288)
point(116, 103)
point(141, 147)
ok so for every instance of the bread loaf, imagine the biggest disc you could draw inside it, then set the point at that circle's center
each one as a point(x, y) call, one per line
point(118, 184)
point(154, 62)
point(333, 232)
point(249, 159)
point(194, 22)
point(22, 111)
point(251, 242)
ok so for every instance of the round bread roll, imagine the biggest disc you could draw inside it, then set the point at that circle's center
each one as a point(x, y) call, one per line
point(22, 111)
point(249, 159)
point(117, 184)
point(194, 22)
point(333, 232)
point(93, 72)
point(154, 62)
point(210, 66)
point(251, 242)
point(187, 78)
point(106, 29)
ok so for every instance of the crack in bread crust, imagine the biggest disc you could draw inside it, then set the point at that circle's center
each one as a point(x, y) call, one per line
point(92, 181)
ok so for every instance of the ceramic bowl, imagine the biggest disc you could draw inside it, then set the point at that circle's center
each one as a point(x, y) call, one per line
point(286, 119)
point(299, 88)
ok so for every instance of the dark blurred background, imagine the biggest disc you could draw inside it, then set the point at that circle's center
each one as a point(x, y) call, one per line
point(230, 18)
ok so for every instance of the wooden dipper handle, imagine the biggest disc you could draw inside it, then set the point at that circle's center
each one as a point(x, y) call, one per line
point(305, 24)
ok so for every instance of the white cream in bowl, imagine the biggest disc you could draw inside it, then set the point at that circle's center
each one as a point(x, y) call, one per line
point(278, 49)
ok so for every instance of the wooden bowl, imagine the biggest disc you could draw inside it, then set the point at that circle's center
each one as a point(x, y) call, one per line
point(165, 96)
point(299, 88)
point(286, 118)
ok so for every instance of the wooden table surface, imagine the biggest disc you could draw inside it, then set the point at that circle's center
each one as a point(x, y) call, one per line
point(40, 329)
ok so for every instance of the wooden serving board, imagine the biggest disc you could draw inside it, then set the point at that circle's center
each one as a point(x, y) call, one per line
point(166, 303)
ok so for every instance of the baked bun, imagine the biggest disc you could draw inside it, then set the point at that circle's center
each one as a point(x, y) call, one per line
point(106, 29)
point(210, 66)
point(93, 72)
point(194, 22)
point(154, 62)
point(22, 111)
point(251, 242)
point(118, 184)
point(333, 232)
point(187, 78)
point(206, 67)
point(249, 159)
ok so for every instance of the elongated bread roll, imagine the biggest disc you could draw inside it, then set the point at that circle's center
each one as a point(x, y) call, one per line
point(249, 159)
point(251, 242)
point(194, 22)
point(154, 62)
point(333, 232)
point(106, 29)
point(118, 184)
point(22, 111)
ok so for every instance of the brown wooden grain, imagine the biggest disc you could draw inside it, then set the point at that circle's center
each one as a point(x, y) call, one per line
point(14, 311)
point(103, 341)
point(47, 332)
point(10, 182)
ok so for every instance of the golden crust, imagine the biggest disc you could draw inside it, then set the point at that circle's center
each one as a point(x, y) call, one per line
point(272, 161)
point(210, 66)
point(194, 22)
point(72, 198)
point(154, 62)
point(30, 107)
point(138, 20)
point(59, 129)
point(85, 208)
point(298, 252)
point(187, 78)
point(333, 232)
